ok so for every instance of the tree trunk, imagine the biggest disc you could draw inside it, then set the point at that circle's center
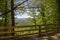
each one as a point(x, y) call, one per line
point(5, 24)
point(58, 1)
point(58, 18)
point(12, 15)
point(5, 16)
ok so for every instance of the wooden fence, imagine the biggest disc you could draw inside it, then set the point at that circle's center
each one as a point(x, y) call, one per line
point(55, 28)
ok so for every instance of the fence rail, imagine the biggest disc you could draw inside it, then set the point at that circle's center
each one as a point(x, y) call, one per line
point(54, 29)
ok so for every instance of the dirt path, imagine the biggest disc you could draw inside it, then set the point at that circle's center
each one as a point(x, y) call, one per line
point(54, 37)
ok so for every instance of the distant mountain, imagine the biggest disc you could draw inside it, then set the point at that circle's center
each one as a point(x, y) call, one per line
point(23, 21)
point(20, 19)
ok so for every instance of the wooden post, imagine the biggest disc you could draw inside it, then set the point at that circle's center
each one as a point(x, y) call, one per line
point(39, 31)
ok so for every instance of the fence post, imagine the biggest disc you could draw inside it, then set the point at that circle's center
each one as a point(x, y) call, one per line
point(39, 31)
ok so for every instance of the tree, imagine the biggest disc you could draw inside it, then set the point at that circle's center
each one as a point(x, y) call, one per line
point(5, 24)
point(58, 18)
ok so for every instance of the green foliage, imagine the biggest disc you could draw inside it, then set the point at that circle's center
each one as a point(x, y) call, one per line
point(51, 10)
point(46, 13)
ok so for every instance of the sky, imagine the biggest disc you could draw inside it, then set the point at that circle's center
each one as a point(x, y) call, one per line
point(24, 15)
point(25, 5)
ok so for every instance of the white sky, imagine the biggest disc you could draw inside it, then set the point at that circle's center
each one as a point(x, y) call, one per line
point(23, 16)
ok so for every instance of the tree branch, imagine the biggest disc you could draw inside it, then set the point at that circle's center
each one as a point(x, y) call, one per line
point(13, 8)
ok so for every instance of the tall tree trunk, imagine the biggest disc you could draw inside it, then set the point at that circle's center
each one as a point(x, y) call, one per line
point(58, 1)
point(43, 18)
point(12, 15)
point(43, 14)
point(58, 18)
point(12, 12)
point(5, 14)
point(34, 17)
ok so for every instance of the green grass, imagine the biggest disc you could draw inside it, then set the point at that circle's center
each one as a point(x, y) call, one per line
point(28, 32)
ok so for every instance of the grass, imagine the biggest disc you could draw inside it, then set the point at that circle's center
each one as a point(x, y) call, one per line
point(28, 32)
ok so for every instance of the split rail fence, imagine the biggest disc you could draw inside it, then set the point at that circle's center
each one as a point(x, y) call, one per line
point(33, 30)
